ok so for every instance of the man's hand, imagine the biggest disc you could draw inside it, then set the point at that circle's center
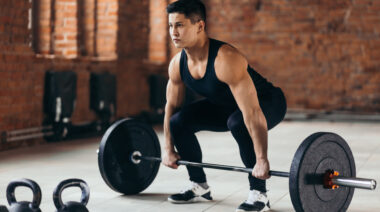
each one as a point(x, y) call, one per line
point(170, 158)
point(261, 169)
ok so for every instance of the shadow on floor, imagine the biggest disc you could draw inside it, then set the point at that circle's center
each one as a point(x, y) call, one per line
point(157, 197)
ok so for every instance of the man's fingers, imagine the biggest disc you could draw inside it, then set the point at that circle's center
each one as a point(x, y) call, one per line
point(174, 166)
point(262, 176)
point(171, 165)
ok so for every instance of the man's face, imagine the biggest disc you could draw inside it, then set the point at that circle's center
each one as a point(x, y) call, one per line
point(182, 32)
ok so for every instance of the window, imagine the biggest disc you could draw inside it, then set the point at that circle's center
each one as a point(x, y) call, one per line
point(75, 28)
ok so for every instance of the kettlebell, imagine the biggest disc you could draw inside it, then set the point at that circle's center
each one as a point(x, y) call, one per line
point(71, 206)
point(3, 208)
point(24, 206)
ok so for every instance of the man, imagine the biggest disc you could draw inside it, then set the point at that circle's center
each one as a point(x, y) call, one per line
point(237, 99)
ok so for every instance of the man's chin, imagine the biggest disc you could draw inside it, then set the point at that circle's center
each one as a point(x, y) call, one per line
point(178, 46)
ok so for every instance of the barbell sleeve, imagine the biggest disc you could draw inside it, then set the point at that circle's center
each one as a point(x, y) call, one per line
point(369, 184)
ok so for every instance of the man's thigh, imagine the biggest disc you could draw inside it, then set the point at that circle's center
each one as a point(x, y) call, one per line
point(203, 115)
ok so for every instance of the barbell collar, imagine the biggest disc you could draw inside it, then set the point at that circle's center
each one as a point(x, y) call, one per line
point(363, 183)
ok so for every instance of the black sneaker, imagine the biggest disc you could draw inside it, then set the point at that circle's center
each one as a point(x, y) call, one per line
point(195, 193)
point(257, 201)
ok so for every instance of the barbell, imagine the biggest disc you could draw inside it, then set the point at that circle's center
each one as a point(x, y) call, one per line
point(322, 175)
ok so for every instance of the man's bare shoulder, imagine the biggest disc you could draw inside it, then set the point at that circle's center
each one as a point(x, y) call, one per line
point(230, 63)
point(174, 73)
point(229, 54)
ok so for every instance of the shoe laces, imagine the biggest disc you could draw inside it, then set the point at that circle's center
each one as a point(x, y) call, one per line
point(254, 196)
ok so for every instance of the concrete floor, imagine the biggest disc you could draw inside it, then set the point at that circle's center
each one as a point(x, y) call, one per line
point(49, 164)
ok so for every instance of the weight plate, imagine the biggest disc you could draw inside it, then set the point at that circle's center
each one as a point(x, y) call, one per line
point(318, 153)
point(118, 143)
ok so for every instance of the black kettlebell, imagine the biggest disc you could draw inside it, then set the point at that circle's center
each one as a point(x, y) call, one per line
point(3, 208)
point(71, 206)
point(24, 206)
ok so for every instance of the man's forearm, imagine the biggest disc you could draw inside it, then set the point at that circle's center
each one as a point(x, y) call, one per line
point(260, 142)
point(257, 128)
point(169, 146)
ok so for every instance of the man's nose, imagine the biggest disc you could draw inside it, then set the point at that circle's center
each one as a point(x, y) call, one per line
point(174, 32)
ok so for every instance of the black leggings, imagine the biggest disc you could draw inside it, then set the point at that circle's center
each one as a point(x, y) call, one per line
point(204, 115)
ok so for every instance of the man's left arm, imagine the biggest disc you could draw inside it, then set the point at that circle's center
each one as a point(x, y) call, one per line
point(231, 68)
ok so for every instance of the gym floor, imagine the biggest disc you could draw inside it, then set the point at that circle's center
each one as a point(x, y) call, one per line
point(51, 163)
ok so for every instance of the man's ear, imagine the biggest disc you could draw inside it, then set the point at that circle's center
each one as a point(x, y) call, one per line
point(201, 26)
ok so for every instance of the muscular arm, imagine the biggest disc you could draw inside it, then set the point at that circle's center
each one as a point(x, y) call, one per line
point(231, 68)
point(174, 99)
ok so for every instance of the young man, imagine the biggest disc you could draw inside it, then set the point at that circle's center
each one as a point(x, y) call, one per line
point(237, 99)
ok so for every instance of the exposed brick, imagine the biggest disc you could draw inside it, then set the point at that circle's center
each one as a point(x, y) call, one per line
point(324, 54)
point(332, 36)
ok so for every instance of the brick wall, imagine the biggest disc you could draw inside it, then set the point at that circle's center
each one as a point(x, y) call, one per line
point(82, 36)
point(324, 54)
point(158, 33)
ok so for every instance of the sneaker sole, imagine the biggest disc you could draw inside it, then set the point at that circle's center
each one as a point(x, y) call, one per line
point(266, 208)
point(193, 200)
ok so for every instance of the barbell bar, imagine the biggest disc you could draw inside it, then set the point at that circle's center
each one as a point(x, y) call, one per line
point(362, 183)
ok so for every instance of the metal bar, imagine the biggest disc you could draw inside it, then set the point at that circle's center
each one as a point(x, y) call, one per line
point(279, 174)
point(30, 136)
point(369, 184)
point(28, 130)
point(148, 158)
point(215, 166)
point(338, 180)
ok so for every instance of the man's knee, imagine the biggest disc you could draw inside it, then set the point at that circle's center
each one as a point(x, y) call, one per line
point(235, 123)
point(181, 122)
point(176, 123)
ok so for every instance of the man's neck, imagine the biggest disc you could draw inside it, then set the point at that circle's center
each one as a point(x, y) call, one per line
point(199, 51)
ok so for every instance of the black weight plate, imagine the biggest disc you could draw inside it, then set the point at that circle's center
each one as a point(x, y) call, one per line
point(114, 157)
point(318, 153)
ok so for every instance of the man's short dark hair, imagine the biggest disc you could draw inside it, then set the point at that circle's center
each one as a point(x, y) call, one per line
point(195, 10)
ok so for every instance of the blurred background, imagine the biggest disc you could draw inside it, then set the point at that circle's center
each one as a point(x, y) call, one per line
point(69, 68)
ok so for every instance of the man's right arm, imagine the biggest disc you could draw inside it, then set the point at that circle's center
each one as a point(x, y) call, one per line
point(174, 98)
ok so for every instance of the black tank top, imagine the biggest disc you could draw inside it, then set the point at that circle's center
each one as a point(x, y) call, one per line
point(210, 87)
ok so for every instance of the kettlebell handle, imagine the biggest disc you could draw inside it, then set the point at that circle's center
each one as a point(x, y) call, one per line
point(37, 195)
point(57, 194)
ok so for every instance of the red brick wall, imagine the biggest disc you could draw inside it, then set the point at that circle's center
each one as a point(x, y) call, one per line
point(158, 33)
point(109, 36)
point(324, 54)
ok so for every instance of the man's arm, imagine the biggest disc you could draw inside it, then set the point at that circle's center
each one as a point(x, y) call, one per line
point(174, 99)
point(231, 68)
